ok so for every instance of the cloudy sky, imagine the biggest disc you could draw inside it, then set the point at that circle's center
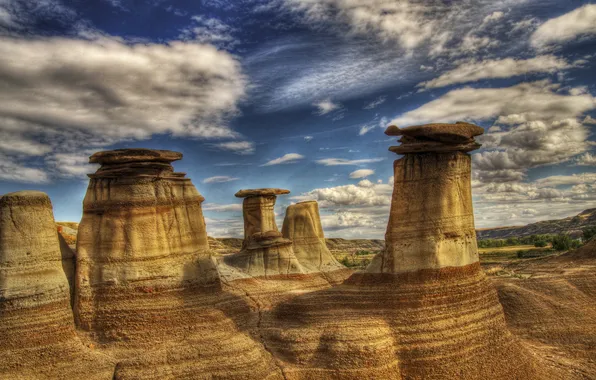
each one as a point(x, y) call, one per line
point(296, 94)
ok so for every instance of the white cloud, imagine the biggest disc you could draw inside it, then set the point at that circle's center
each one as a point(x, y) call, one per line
point(587, 159)
point(533, 101)
point(341, 161)
point(326, 106)
point(375, 103)
point(234, 207)
point(238, 147)
point(210, 31)
point(365, 193)
point(567, 180)
point(308, 138)
point(495, 16)
point(579, 22)
point(74, 95)
point(289, 158)
point(365, 129)
point(13, 171)
point(220, 179)
point(362, 173)
point(500, 68)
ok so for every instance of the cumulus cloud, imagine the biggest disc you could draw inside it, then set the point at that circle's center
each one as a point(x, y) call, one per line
point(75, 94)
point(365, 193)
point(361, 173)
point(530, 101)
point(220, 179)
point(289, 158)
point(342, 161)
point(326, 106)
point(579, 22)
point(497, 68)
point(14, 171)
point(238, 147)
point(587, 159)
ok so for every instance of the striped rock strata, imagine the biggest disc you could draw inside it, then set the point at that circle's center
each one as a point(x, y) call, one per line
point(302, 225)
point(265, 252)
point(147, 290)
point(37, 331)
point(423, 309)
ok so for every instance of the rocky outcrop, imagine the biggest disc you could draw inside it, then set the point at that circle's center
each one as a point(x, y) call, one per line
point(424, 308)
point(147, 290)
point(302, 225)
point(37, 332)
point(265, 252)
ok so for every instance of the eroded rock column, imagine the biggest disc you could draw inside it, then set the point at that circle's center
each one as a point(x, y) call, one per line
point(265, 252)
point(142, 229)
point(302, 225)
point(37, 332)
point(431, 223)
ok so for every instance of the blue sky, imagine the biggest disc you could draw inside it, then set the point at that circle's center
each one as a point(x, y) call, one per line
point(297, 93)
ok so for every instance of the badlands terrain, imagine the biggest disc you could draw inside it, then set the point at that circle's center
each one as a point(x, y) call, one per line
point(144, 293)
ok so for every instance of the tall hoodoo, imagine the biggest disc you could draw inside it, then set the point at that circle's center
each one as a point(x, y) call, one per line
point(142, 226)
point(37, 332)
point(302, 225)
point(265, 252)
point(431, 223)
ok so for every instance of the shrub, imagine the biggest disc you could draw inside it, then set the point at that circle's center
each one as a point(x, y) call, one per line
point(540, 244)
point(589, 233)
point(562, 242)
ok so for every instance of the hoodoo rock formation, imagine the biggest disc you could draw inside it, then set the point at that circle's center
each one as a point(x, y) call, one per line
point(265, 252)
point(302, 225)
point(147, 290)
point(142, 228)
point(424, 308)
point(37, 331)
point(431, 223)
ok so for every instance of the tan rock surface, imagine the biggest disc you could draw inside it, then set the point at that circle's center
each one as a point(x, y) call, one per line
point(265, 252)
point(37, 332)
point(147, 289)
point(424, 308)
point(302, 225)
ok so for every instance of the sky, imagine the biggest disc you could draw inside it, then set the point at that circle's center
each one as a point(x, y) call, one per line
point(296, 94)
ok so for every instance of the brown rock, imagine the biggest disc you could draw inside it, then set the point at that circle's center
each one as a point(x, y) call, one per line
point(302, 225)
point(147, 289)
point(264, 252)
point(37, 332)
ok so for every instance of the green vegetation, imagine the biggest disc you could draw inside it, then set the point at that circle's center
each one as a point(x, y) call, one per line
point(564, 242)
point(514, 241)
point(589, 233)
point(531, 253)
point(541, 244)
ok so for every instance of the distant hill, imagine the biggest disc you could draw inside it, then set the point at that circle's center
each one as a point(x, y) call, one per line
point(572, 225)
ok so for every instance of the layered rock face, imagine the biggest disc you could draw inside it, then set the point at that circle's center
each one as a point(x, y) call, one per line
point(37, 332)
point(302, 225)
point(147, 290)
point(265, 252)
point(424, 308)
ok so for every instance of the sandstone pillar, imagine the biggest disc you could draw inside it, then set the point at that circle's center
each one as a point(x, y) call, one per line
point(37, 332)
point(302, 225)
point(431, 222)
point(142, 228)
point(265, 252)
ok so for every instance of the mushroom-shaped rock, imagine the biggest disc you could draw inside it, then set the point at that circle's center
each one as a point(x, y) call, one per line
point(437, 137)
point(265, 252)
point(37, 331)
point(302, 225)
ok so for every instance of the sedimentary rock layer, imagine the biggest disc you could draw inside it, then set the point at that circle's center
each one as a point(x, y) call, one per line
point(302, 225)
point(436, 323)
point(265, 252)
point(147, 290)
point(37, 332)
point(431, 222)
